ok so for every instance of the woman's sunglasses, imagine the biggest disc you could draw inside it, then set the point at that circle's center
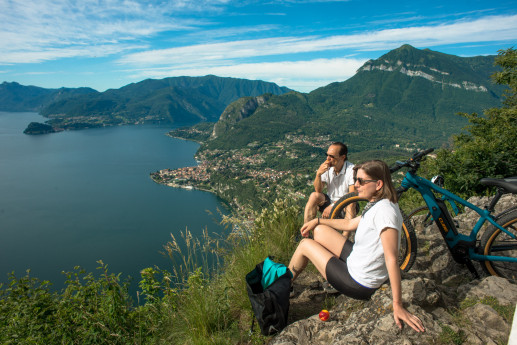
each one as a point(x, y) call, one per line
point(362, 182)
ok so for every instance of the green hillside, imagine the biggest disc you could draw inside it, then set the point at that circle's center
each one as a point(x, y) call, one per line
point(16, 97)
point(407, 98)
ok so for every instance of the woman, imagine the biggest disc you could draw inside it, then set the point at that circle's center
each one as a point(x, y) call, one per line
point(358, 269)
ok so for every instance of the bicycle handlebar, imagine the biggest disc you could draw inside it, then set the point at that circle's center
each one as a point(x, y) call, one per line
point(412, 162)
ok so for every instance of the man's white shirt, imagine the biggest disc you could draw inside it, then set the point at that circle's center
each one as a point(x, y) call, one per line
point(338, 185)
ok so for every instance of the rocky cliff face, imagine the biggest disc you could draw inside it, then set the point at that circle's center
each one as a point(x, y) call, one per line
point(446, 70)
point(237, 111)
point(454, 307)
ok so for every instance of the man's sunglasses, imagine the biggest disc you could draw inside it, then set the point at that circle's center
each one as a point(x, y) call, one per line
point(331, 156)
point(362, 182)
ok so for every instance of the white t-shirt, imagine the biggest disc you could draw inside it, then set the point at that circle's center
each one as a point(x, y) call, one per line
point(337, 185)
point(366, 262)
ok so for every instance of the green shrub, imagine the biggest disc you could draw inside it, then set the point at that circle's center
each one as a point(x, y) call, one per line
point(88, 311)
point(487, 147)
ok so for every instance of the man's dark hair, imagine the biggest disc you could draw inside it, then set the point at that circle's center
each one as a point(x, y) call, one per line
point(343, 150)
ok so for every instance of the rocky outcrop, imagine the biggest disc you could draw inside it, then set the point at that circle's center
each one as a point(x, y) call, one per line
point(38, 128)
point(454, 307)
point(422, 71)
point(237, 111)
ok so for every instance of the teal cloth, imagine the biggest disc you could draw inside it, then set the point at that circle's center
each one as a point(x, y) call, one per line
point(271, 271)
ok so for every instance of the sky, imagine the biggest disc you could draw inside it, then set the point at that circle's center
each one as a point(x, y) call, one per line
point(300, 44)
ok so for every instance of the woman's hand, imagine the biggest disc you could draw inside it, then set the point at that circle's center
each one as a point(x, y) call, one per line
point(401, 314)
point(307, 227)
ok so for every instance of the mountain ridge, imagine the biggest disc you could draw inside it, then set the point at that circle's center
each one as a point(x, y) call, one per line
point(17, 97)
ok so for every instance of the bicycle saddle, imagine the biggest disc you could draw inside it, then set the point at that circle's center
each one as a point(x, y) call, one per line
point(509, 184)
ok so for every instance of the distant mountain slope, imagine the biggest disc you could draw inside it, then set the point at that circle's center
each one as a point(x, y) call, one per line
point(16, 97)
point(405, 99)
point(179, 99)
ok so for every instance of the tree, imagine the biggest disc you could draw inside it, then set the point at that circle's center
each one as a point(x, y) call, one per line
point(488, 147)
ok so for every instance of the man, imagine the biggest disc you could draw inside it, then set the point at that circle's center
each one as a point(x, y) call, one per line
point(338, 175)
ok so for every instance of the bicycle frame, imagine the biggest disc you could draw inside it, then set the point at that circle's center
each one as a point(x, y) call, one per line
point(462, 247)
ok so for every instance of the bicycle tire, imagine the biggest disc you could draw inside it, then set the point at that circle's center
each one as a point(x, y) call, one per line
point(498, 243)
point(408, 241)
point(338, 210)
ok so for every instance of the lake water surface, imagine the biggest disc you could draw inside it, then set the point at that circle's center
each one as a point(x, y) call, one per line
point(75, 197)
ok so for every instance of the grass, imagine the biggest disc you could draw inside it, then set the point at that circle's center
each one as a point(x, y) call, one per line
point(449, 336)
point(506, 311)
point(202, 301)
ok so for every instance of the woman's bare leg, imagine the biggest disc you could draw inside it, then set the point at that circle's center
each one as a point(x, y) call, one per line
point(327, 243)
point(330, 239)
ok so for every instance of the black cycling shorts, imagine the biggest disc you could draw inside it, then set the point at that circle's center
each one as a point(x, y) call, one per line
point(325, 204)
point(338, 276)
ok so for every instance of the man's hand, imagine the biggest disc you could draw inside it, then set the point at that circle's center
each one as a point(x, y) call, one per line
point(323, 168)
point(326, 211)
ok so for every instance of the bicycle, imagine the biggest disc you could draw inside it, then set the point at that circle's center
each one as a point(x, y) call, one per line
point(497, 248)
point(420, 217)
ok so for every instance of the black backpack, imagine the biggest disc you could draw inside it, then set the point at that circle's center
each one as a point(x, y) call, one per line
point(270, 305)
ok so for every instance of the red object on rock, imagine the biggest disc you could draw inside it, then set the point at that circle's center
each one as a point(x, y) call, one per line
point(324, 315)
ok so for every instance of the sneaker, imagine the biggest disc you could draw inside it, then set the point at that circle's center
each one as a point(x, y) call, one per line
point(328, 288)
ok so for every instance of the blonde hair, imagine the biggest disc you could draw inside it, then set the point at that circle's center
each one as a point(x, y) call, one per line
point(379, 170)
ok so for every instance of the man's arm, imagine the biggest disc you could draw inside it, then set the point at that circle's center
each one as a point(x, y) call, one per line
point(318, 184)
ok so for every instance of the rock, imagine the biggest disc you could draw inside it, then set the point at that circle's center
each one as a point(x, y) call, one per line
point(493, 326)
point(497, 287)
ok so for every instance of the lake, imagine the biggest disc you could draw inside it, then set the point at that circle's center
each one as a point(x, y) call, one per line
point(75, 197)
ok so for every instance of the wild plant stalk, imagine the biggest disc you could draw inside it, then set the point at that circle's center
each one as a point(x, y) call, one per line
point(210, 305)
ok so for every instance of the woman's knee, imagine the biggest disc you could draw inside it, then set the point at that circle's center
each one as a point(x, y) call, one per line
point(320, 232)
point(305, 246)
point(329, 238)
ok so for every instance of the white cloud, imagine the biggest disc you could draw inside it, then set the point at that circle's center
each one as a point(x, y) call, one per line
point(46, 30)
point(302, 76)
point(495, 28)
point(52, 29)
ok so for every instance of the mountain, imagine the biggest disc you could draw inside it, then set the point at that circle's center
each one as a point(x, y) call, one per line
point(16, 97)
point(180, 99)
point(238, 110)
point(405, 99)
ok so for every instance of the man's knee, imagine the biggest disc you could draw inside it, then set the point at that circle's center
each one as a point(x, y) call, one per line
point(316, 198)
